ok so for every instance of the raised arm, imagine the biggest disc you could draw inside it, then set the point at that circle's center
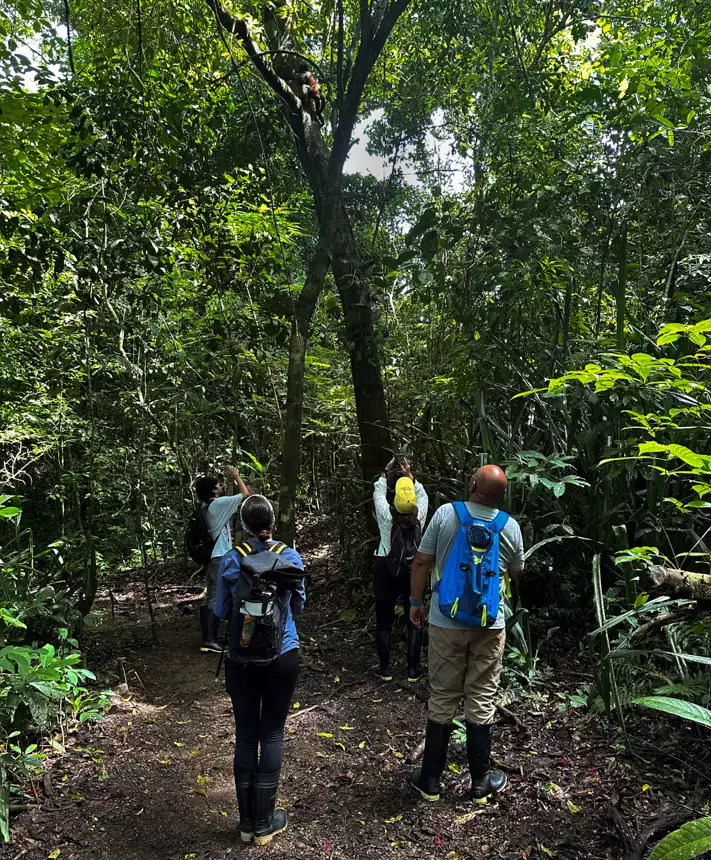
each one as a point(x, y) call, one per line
point(380, 500)
point(239, 484)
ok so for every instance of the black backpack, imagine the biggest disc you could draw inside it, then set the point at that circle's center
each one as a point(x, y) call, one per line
point(404, 541)
point(264, 590)
point(198, 540)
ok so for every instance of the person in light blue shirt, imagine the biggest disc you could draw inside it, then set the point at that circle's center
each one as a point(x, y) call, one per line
point(261, 694)
point(218, 508)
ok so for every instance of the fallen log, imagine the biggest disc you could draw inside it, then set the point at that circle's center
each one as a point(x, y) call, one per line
point(679, 583)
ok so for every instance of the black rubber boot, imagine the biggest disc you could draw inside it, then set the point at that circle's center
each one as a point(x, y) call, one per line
point(425, 779)
point(414, 651)
point(383, 643)
point(245, 800)
point(485, 781)
point(209, 624)
point(267, 820)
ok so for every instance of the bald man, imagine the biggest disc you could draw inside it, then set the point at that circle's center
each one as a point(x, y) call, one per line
point(463, 660)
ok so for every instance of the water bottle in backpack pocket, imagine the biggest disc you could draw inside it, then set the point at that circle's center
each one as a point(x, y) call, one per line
point(264, 590)
point(468, 589)
point(260, 628)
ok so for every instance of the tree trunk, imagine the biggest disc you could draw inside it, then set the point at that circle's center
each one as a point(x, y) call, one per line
point(371, 408)
point(291, 449)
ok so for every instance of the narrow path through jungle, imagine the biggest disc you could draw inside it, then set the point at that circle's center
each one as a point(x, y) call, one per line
point(154, 779)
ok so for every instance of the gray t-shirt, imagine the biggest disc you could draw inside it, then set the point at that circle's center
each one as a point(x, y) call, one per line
point(218, 521)
point(438, 540)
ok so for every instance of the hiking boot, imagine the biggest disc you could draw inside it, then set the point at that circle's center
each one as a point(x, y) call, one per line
point(383, 643)
point(245, 799)
point(485, 780)
point(267, 820)
point(425, 779)
point(209, 625)
point(414, 651)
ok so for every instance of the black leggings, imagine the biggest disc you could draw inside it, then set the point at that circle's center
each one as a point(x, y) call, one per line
point(261, 696)
point(388, 590)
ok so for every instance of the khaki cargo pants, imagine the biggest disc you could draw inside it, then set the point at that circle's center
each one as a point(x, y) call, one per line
point(464, 662)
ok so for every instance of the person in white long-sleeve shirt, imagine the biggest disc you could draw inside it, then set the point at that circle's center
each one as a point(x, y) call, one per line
point(400, 509)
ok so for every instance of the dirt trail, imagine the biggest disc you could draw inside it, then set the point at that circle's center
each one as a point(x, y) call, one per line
point(154, 780)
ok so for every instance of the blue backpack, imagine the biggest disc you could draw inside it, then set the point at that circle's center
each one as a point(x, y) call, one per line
point(468, 588)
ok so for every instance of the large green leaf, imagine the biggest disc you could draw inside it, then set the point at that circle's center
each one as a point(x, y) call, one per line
point(690, 840)
point(677, 707)
point(692, 658)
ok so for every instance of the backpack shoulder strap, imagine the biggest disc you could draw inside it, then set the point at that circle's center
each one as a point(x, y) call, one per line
point(498, 524)
point(277, 547)
point(244, 549)
point(465, 518)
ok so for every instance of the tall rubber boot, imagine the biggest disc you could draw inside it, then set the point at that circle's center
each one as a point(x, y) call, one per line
point(383, 644)
point(414, 652)
point(209, 624)
point(244, 783)
point(485, 781)
point(267, 820)
point(425, 779)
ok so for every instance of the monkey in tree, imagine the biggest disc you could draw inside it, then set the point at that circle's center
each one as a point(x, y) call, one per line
point(311, 92)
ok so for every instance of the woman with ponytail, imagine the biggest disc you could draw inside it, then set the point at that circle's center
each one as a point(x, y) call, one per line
point(261, 693)
point(400, 508)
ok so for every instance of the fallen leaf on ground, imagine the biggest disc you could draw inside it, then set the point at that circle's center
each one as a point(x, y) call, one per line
point(325, 734)
point(393, 820)
point(463, 819)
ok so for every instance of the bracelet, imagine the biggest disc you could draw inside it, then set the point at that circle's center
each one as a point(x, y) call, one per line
point(415, 602)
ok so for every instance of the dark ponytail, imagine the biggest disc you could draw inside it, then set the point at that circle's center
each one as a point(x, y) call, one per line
point(404, 521)
point(257, 515)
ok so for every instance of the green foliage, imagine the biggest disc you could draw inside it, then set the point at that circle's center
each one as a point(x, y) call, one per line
point(691, 840)
point(685, 710)
point(154, 233)
point(40, 684)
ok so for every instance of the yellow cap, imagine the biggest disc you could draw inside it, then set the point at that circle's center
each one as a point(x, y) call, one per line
point(405, 498)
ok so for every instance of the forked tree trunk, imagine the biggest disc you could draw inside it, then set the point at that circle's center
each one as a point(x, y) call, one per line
point(336, 247)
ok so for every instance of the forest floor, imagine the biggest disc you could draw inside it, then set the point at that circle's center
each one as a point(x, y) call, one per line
point(154, 778)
